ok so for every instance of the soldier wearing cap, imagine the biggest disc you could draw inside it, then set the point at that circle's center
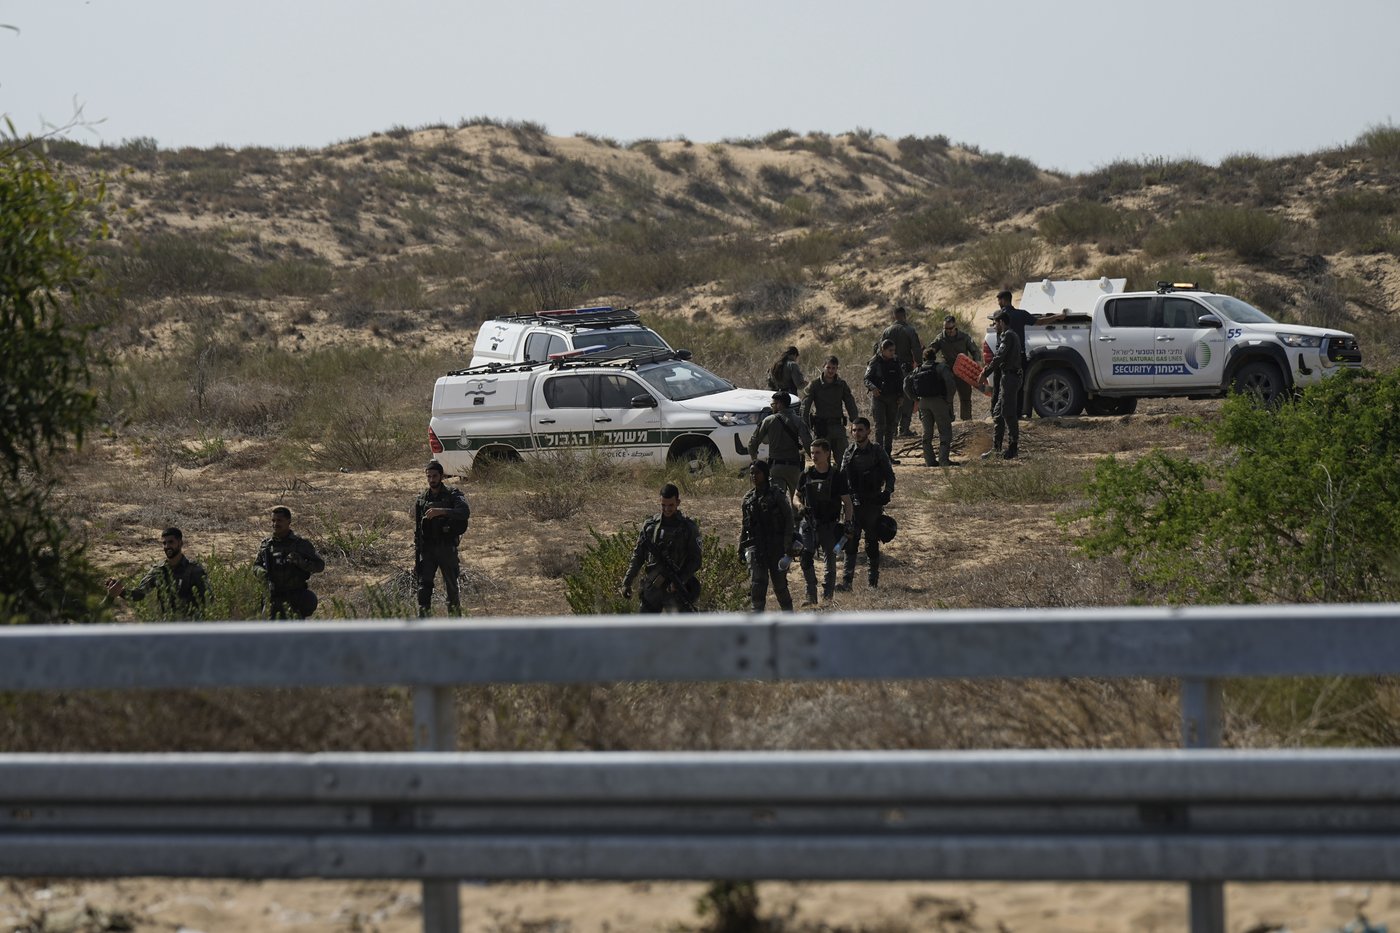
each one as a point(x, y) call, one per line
point(787, 437)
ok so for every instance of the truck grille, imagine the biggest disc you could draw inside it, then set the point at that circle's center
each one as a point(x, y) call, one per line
point(1344, 350)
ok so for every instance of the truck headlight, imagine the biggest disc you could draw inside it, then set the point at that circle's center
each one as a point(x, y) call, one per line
point(1299, 340)
point(731, 418)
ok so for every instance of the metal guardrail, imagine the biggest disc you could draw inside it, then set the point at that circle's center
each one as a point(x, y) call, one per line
point(1185, 643)
point(1197, 816)
point(1115, 816)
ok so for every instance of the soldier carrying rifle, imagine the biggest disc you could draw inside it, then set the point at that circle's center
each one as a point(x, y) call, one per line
point(669, 548)
point(440, 518)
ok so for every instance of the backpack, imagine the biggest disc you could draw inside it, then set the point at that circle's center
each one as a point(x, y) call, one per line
point(928, 383)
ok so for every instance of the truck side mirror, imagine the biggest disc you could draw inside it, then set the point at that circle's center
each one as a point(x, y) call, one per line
point(643, 401)
point(1209, 320)
point(683, 354)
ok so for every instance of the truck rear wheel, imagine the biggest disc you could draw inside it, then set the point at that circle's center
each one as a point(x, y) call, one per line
point(1262, 380)
point(1057, 393)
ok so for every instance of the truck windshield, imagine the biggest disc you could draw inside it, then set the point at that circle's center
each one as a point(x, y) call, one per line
point(679, 381)
point(610, 339)
point(1233, 309)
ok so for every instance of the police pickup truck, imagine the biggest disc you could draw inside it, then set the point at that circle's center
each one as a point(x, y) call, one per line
point(522, 338)
point(1114, 347)
point(644, 405)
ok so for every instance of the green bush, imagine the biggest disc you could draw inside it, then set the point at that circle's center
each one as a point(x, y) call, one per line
point(1082, 221)
point(940, 225)
point(1003, 260)
point(1297, 505)
point(1250, 233)
point(171, 263)
point(724, 582)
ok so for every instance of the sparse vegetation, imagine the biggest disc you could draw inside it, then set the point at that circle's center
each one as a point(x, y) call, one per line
point(1003, 259)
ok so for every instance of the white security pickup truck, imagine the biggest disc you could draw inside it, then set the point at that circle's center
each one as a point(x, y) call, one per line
point(639, 404)
point(1114, 347)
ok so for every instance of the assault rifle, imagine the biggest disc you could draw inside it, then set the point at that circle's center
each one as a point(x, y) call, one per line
point(685, 591)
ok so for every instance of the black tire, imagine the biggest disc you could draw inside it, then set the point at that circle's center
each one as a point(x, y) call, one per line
point(699, 457)
point(1057, 393)
point(1263, 380)
point(1101, 405)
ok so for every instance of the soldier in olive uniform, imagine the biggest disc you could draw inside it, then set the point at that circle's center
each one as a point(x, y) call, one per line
point(884, 377)
point(952, 342)
point(286, 562)
point(785, 375)
point(826, 404)
point(787, 437)
point(909, 351)
point(870, 478)
point(440, 518)
point(1005, 368)
point(180, 584)
point(931, 388)
point(669, 548)
point(765, 539)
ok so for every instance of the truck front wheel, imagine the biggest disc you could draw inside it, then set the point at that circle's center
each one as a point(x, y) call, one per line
point(1057, 393)
point(1261, 380)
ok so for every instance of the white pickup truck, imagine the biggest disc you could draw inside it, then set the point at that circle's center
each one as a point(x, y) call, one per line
point(639, 404)
point(1114, 347)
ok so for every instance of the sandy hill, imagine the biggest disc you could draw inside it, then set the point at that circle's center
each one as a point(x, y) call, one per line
point(801, 236)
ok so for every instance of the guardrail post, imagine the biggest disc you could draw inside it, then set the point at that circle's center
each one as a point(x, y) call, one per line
point(435, 730)
point(1201, 718)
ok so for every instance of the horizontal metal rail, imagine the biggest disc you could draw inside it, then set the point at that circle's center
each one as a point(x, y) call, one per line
point(1188, 643)
point(1142, 815)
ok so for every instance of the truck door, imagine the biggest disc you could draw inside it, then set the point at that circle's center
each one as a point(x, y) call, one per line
point(561, 415)
point(1188, 354)
point(627, 433)
point(1124, 343)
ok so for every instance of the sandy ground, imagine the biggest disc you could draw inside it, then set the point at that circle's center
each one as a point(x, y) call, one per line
point(393, 907)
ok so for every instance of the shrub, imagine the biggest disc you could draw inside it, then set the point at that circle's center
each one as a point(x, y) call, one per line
point(939, 225)
point(1082, 221)
point(1382, 142)
point(362, 437)
point(779, 181)
point(724, 584)
point(1299, 505)
point(46, 391)
point(1003, 259)
point(170, 263)
point(1249, 232)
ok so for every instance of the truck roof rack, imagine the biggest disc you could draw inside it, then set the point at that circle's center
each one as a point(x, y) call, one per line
point(487, 369)
point(624, 357)
point(571, 319)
